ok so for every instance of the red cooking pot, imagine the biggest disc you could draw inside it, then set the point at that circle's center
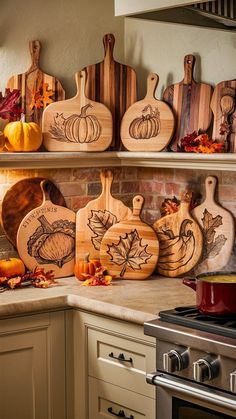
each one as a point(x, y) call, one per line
point(215, 292)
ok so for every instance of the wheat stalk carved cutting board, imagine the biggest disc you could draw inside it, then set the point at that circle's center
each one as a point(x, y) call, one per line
point(218, 230)
point(130, 248)
point(37, 89)
point(180, 240)
point(97, 217)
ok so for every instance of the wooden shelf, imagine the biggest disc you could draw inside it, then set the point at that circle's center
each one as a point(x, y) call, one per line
point(115, 159)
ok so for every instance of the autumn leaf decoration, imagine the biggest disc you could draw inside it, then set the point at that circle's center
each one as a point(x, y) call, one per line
point(212, 243)
point(41, 97)
point(129, 252)
point(99, 223)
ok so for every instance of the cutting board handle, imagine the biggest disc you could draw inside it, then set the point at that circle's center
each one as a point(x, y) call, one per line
point(108, 42)
point(210, 186)
point(189, 63)
point(152, 82)
point(35, 48)
point(45, 185)
point(80, 79)
point(138, 202)
point(106, 177)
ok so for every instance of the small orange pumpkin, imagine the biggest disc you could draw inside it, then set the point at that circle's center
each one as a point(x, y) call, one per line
point(11, 267)
point(23, 136)
point(86, 266)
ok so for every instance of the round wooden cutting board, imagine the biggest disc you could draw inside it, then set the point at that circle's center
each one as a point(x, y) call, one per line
point(130, 249)
point(148, 124)
point(46, 237)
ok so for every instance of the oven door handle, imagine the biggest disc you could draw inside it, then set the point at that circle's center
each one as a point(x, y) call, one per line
point(192, 389)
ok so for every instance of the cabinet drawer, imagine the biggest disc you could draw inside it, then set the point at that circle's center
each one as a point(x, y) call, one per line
point(130, 372)
point(107, 400)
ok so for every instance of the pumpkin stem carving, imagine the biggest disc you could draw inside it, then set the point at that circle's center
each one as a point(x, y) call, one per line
point(84, 110)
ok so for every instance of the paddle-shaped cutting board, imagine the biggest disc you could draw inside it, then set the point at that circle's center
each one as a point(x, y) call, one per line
point(223, 107)
point(38, 89)
point(77, 124)
point(46, 237)
point(180, 240)
point(113, 84)
point(218, 230)
point(130, 248)
point(148, 124)
point(97, 217)
point(20, 199)
point(190, 102)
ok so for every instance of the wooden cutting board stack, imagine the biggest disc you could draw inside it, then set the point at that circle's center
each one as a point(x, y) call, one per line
point(97, 217)
point(218, 230)
point(180, 240)
point(148, 124)
point(130, 248)
point(190, 102)
point(37, 89)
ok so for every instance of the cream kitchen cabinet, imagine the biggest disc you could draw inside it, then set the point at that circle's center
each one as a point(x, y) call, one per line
point(32, 367)
point(130, 7)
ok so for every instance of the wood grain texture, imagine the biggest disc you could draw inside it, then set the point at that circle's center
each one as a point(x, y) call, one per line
point(190, 102)
point(148, 124)
point(38, 89)
point(180, 240)
point(130, 248)
point(46, 237)
point(113, 84)
point(77, 124)
point(223, 107)
point(96, 217)
point(20, 199)
point(218, 230)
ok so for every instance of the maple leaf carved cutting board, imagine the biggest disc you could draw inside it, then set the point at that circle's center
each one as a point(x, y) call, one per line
point(97, 217)
point(180, 240)
point(46, 237)
point(218, 230)
point(37, 89)
point(130, 248)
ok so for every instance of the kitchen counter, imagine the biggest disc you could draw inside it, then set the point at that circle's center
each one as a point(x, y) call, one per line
point(133, 301)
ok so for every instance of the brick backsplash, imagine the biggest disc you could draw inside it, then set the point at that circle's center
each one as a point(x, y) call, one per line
point(79, 186)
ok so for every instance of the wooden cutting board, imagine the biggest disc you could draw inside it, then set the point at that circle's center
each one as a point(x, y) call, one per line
point(20, 199)
point(223, 107)
point(77, 124)
point(148, 124)
point(180, 240)
point(130, 248)
point(38, 89)
point(46, 237)
point(97, 217)
point(218, 230)
point(190, 102)
point(113, 84)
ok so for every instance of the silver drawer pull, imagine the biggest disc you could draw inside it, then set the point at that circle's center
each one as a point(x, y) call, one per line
point(120, 414)
point(120, 357)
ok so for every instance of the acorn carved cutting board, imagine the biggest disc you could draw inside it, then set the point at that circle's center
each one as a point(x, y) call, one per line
point(130, 248)
point(20, 199)
point(148, 124)
point(180, 240)
point(113, 84)
point(77, 124)
point(190, 102)
point(218, 230)
point(46, 237)
point(38, 89)
point(97, 217)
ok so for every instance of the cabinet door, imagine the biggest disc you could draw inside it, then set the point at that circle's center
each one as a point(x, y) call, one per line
point(130, 7)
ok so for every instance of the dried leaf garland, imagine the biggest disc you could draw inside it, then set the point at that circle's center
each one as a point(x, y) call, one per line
point(199, 144)
point(9, 108)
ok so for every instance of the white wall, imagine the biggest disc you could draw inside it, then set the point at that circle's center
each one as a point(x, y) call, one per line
point(71, 33)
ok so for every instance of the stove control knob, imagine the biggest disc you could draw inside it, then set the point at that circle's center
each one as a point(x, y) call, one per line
point(233, 382)
point(175, 360)
point(205, 369)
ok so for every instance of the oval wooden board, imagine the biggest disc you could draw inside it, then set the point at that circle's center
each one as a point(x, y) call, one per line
point(180, 240)
point(148, 124)
point(77, 124)
point(20, 199)
point(218, 231)
point(96, 217)
point(46, 237)
point(130, 248)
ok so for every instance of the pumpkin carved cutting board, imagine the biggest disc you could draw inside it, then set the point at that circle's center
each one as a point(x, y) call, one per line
point(97, 217)
point(37, 89)
point(46, 237)
point(130, 248)
point(180, 240)
point(148, 124)
point(77, 124)
point(218, 230)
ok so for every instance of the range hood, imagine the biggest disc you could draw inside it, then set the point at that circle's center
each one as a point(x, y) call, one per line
point(222, 11)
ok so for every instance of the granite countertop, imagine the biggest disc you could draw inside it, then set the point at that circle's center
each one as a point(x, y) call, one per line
point(134, 301)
